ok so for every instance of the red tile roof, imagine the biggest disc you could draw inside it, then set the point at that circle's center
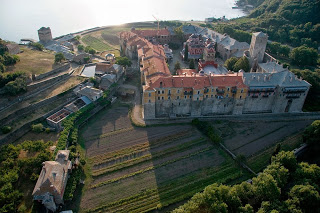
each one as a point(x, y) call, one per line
point(196, 81)
point(152, 33)
point(186, 71)
point(103, 67)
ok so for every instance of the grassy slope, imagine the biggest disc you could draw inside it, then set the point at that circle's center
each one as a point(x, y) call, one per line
point(34, 62)
point(259, 161)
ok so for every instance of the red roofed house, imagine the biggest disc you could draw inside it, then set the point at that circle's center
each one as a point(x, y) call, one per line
point(161, 36)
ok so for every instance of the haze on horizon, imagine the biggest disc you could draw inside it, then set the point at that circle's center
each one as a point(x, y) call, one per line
point(21, 19)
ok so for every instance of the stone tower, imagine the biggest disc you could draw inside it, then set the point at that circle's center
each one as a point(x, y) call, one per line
point(258, 47)
point(45, 34)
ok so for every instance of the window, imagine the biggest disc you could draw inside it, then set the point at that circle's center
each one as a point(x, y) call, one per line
point(169, 98)
point(211, 96)
point(162, 91)
point(179, 103)
point(159, 92)
point(169, 92)
point(178, 91)
point(158, 98)
point(178, 97)
point(197, 99)
point(240, 97)
point(149, 101)
point(212, 90)
point(227, 95)
point(190, 96)
point(198, 92)
point(162, 98)
point(206, 96)
point(242, 91)
point(185, 97)
point(149, 94)
point(228, 89)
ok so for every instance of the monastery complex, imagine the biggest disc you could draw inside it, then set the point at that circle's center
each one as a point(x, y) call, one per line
point(212, 89)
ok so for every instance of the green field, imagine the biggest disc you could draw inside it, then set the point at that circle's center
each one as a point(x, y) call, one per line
point(96, 43)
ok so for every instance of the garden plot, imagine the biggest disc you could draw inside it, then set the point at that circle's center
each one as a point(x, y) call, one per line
point(142, 169)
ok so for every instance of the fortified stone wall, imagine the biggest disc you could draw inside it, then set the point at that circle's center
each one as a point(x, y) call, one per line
point(259, 104)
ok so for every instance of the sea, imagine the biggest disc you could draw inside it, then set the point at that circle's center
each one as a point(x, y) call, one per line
point(22, 18)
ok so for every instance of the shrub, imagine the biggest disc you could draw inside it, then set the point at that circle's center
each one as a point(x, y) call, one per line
point(6, 129)
point(15, 87)
point(83, 161)
point(37, 127)
point(37, 46)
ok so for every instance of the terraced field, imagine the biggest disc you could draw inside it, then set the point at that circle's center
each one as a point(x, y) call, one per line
point(96, 43)
point(143, 169)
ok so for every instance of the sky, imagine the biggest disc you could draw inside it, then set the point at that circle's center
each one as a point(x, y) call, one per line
point(22, 18)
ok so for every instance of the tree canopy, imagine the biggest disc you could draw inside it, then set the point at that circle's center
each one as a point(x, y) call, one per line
point(242, 63)
point(177, 66)
point(124, 61)
point(59, 57)
point(279, 188)
point(304, 56)
point(230, 62)
point(192, 64)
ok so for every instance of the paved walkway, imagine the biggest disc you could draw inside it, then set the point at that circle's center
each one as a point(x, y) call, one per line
point(136, 112)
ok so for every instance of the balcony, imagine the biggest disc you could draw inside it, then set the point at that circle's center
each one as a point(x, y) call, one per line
point(294, 90)
point(220, 91)
point(188, 92)
point(293, 96)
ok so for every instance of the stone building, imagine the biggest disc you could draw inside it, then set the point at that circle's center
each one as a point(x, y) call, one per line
point(213, 91)
point(45, 34)
point(52, 181)
point(257, 49)
point(161, 36)
point(227, 47)
point(13, 48)
point(195, 47)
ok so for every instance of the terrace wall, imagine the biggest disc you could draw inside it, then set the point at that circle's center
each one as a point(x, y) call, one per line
point(13, 136)
point(54, 71)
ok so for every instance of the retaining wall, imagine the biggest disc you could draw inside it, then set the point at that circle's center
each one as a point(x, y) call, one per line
point(18, 133)
point(54, 71)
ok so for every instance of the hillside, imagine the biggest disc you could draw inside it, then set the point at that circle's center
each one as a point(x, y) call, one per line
point(295, 22)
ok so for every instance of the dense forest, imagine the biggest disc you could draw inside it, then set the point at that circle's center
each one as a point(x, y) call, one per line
point(295, 22)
